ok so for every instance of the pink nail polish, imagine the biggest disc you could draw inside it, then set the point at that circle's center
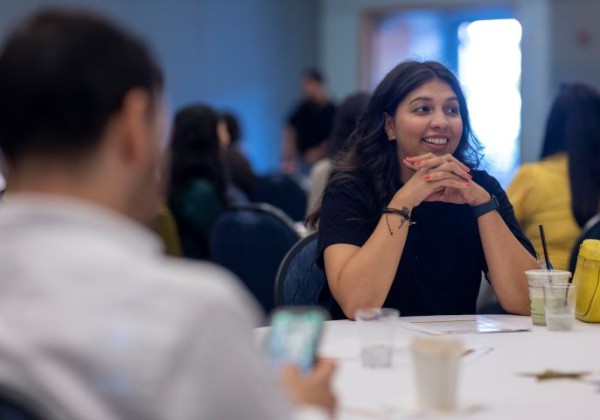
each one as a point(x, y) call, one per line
point(427, 177)
point(417, 163)
point(468, 184)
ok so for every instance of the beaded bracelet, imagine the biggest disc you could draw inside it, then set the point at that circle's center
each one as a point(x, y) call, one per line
point(404, 213)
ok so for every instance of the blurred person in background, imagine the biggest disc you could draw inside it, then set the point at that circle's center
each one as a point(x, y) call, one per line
point(96, 322)
point(346, 118)
point(198, 184)
point(238, 167)
point(584, 173)
point(308, 126)
point(164, 225)
point(540, 192)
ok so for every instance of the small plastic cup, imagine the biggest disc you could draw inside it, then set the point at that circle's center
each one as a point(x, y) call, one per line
point(376, 329)
point(536, 280)
point(436, 362)
point(559, 305)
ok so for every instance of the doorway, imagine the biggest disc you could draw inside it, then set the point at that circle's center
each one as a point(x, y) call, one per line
point(481, 46)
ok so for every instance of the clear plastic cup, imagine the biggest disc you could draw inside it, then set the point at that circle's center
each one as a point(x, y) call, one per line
point(559, 304)
point(376, 329)
point(536, 280)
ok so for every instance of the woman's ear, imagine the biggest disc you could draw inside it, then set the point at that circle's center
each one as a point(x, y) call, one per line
point(389, 126)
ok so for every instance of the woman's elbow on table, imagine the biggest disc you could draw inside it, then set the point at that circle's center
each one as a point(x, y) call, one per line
point(517, 306)
point(350, 306)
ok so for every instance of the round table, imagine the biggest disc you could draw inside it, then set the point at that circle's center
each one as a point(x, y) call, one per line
point(493, 381)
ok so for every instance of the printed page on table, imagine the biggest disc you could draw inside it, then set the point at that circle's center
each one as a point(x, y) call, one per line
point(462, 324)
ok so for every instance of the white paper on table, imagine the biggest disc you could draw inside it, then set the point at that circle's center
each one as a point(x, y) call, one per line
point(350, 350)
point(462, 324)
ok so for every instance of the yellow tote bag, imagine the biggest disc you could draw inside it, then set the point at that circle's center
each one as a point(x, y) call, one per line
point(587, 279)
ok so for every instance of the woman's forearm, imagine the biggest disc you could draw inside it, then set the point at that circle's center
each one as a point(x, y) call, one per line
point(507, 262)
point(361, 277)
point(366, 277)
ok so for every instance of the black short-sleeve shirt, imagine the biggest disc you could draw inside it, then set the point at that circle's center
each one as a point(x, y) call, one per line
point(313, 123)
point(440, 269)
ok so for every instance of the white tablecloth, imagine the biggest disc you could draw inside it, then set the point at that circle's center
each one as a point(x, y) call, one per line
point(490, 384)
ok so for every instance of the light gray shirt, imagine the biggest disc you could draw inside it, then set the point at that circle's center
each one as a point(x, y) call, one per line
point(96, 324)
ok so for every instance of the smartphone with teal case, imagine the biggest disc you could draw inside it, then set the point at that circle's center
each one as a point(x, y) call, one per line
point(294, 337)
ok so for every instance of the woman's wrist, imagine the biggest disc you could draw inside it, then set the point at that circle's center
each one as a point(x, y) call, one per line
point(480, 199)
point(402, 199)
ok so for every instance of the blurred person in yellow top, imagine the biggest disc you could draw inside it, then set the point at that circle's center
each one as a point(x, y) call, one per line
point(540, 191)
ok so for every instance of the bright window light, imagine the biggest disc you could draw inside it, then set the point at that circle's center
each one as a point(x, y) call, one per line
point(489, 68)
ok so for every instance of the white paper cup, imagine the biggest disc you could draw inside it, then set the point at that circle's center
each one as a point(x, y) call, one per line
point(436, 362)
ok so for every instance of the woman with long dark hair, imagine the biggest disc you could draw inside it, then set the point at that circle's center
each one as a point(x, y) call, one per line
point(540, 192)
point(197, 193)
point(584, 174)
point(239, 169)
point(406, 220)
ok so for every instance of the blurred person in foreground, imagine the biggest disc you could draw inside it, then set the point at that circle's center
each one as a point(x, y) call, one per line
point(96, 323)
point(3, 174)
point(407, 221)
point(540, 192)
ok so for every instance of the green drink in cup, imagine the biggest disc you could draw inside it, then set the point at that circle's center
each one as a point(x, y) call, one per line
point(536, 280)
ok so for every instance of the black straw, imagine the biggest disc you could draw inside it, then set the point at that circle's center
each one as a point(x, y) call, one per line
point(545, 247)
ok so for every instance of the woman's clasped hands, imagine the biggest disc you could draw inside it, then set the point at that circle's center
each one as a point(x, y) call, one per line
point(442, 178)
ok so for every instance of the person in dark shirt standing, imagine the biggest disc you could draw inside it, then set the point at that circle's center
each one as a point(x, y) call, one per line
point(309, 125)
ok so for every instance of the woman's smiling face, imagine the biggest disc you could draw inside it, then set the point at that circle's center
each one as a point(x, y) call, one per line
point(428, 120)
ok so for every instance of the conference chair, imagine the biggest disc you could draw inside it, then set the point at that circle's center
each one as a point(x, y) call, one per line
point(281, 191)
point(251, 240)
point(299, 280)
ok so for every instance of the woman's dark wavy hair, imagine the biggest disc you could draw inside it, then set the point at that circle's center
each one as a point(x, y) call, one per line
point(346, 117)
point(372, 155)
point(195, 150)
point(581, 131)
point(571, 99)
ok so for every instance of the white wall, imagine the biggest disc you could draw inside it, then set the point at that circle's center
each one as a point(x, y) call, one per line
point(340, 53)
point(575, 41)
point(248, 55)
point(244, 55)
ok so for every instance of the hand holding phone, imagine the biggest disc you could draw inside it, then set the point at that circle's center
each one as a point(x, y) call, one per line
point(294, 337)
point(314, 388)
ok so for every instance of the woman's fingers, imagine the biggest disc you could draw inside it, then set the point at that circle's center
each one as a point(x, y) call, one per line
point(423, 187)
point(430, 160)
point(449, 181)
point(436, 167)
point(444, 170)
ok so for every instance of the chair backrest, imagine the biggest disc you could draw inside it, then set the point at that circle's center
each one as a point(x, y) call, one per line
point(299, 280)
point(251, 241)
point(283, 192)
